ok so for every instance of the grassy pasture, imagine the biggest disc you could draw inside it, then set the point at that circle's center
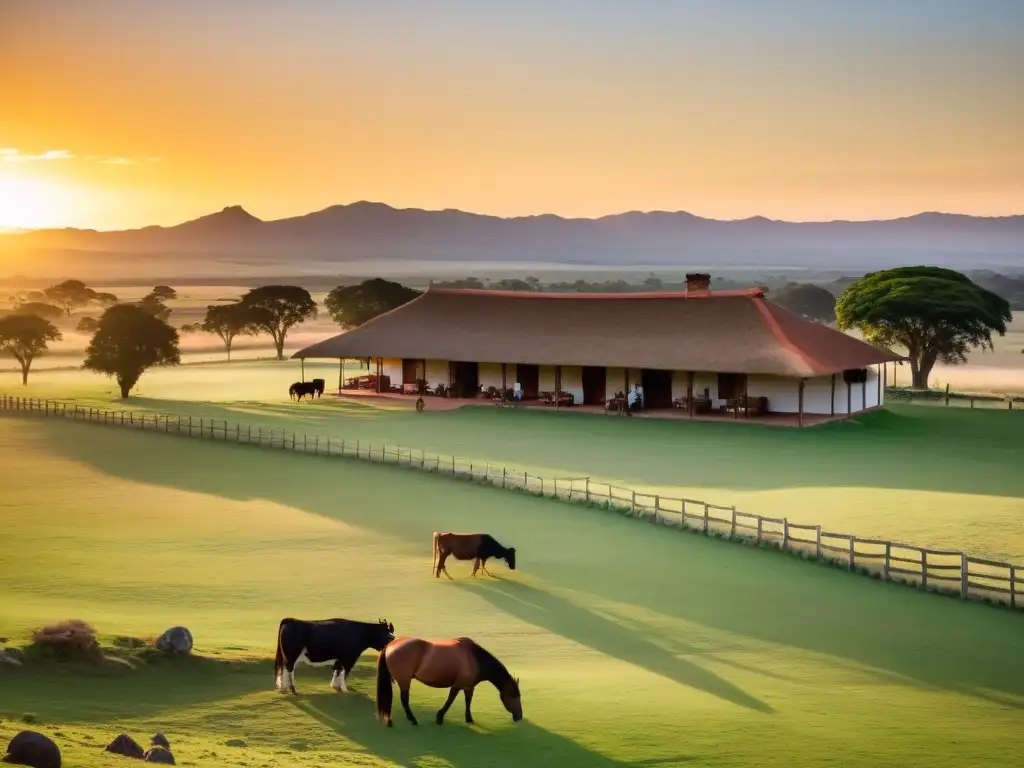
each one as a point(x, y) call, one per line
point(925, 475)
point(635, 645)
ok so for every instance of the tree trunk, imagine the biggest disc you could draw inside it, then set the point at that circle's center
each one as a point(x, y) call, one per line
point(24, 373)
point(227, 346)
point(125, 389)
point(279, 343)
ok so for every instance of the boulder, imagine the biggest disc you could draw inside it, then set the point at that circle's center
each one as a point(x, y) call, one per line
point(127, 746)
point(7, 658)
point(159, 740)
point(160, 755)
point(32, 749)
point(14, 653)
point(175, 640)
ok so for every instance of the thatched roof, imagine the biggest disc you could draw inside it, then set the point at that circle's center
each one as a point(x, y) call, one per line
point(713, 331)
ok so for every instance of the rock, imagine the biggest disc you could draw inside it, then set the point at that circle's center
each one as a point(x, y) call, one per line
point(175, 640)
point(14, 653)
point(159, 740)
point(235, 743)
point(127, 746)
point(6, 658)
point(32, 749)
point(160, 755)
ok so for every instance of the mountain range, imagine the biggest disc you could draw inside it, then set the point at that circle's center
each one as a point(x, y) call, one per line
point(371, 232)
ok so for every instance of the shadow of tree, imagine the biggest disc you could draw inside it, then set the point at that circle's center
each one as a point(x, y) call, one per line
point(456, 744)
point(556, 614)
point(747, 592)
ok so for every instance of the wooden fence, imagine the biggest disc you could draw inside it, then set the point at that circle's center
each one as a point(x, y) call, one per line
point(937, 570)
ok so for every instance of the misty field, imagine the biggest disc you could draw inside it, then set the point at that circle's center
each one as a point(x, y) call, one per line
point(635, 645)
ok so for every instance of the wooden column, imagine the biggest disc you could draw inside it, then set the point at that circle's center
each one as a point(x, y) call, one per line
point(885, 374)
point(746, 405)
point(849, 398)
point(558, 384)
point(341, 374)
point(689, 393)
point(832, 403)
point(450, 363)
point(879, 377)
point(303, 361)
point(800, 404)
point(504, 384)
point(864, 391)
point(380, 372)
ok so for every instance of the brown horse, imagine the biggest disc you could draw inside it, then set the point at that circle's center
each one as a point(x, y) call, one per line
point(458, 664)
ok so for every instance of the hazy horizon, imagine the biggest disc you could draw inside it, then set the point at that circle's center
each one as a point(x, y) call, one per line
point(122, 115)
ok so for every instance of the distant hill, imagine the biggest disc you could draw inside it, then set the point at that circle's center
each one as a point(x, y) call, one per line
point(371, 232)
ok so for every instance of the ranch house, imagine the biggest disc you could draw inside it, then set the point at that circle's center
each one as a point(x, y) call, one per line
point(697, 353)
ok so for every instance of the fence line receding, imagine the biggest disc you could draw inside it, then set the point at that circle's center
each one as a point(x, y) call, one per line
point(938, 570)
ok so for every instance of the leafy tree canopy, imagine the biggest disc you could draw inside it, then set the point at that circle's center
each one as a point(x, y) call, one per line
point(934, 313)
point(130, 340)
point(274, 309)
point(164, 293)
point(105, 299)
point(26, 337)
point(226, 321)
point(88, 325)
point(807, 300)
point(40, 309)
point(70, 294)
point(351, 306)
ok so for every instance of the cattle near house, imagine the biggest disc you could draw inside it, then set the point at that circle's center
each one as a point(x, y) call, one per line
point(478, 547)
point(300, 388)
point(317, 643)
point(318, 386)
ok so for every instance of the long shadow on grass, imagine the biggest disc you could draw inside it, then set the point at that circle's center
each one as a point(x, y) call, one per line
point(749, 593)
point(459, 745)
point(562, 617)
point(919, 448)
point(56, 692)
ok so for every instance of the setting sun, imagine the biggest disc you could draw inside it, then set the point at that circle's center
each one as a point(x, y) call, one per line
point(29, 203)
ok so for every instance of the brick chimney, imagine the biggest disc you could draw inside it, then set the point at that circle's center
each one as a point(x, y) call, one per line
point(698, 282)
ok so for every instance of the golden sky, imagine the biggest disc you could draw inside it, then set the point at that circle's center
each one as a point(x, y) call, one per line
point(123, 113)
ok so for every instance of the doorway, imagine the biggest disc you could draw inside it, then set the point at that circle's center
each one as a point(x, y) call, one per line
point(413, 371)
point(465, 379)
point(731, 386)
point(594, 385)
point(528, 377)
point(657, 388)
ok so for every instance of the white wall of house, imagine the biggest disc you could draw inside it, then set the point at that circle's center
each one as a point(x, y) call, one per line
point(572, 380)
point(490, 376)
point(392, 367)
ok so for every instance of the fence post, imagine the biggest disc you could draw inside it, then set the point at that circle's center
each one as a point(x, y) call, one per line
point(924, 568)
point(964, 575)
point(817, 542)
point(453, 465)
point(1013, 586)
point(556, 484)
point(190, 426)
point(888, 556)
point(632, 503)
point(732, 528)
point(706, 513)
point(760, 527)
point(853, 553)
point(503, 472)
point(657, 506)
point(586, 491)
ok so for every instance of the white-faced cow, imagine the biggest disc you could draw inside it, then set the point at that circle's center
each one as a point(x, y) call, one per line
point(478, 547)
point(318, 643)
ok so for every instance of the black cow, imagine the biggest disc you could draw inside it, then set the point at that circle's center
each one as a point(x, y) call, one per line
point(318, 643)
point(300, 388)
point(318, 386)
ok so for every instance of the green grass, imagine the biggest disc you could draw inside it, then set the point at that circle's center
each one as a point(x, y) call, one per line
point(635, 645)
point(934, 477)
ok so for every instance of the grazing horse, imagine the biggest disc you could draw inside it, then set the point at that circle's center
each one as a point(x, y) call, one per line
point(318, 386)
point(477, 547)
point(458, 664)
point(300, 388)
point(321, 642)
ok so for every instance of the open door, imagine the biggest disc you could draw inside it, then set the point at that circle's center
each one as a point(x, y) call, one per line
point(594, 385)
point(529, 380)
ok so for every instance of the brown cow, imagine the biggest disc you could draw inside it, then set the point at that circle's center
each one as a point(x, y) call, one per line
point(478, 547)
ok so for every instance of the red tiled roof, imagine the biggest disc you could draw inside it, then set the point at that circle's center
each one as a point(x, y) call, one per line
point(713, 331)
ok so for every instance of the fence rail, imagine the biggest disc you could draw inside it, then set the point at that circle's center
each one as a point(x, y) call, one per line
point(937, 570)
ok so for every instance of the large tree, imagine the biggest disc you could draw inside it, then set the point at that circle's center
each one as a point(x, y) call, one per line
point(129, 341)
point(155, 306)
point(26, 337)
point(70, 294)
point(40, 309)
point(274, 309)
point(164, 293)
point(934, 313)
point(807, 300)
point(352, 305)
point(226, 321)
